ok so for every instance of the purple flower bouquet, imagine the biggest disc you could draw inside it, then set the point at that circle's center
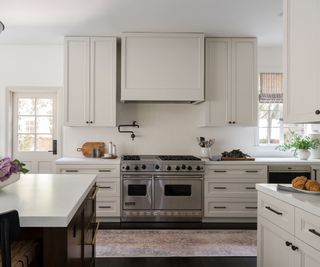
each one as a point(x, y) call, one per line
point(10, 170)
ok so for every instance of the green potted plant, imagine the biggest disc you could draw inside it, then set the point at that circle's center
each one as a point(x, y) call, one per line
point(300, 145)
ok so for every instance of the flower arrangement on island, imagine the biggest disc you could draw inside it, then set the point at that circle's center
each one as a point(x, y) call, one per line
point(9, 166)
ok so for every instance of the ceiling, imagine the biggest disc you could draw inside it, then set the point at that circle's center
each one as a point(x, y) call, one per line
point(47, 21)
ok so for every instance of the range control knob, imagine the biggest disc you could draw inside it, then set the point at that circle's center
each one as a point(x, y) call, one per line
point(127, 168)
point(143, 167)
point(136, 167)
point(198, 168)
point(183, 167)
point(157, 167)
point(177, 168)
point(169, 168)
point(189, 168)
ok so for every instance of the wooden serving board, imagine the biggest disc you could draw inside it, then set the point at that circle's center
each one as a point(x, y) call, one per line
point(87, 148)
point(235, 159)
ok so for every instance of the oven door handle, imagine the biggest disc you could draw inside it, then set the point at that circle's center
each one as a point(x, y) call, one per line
point(178, 178)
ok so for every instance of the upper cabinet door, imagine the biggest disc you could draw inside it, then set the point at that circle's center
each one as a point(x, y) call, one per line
point(162, 67)
point(302, 60)
point(244, 81)
point(76, 75)
point(103, 81)
point(218, 82)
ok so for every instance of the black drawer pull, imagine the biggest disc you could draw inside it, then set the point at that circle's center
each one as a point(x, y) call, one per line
point(105, 207)
point(313, 231)
point(294, 248)
point(274, 211)
point(250, 187)
point(72, 170)
point(104, 170)
point(220, 207)
point(288, 244)
point(252, 171)
point(251, 208)
point(220, 171)
point(220, 187)
point(105, 187)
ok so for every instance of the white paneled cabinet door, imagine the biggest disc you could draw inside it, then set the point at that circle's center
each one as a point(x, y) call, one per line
point(76, 69)
point(274, 248)
point(244, 81)
point(103, 81)
point(302, 60)
point(218, 83)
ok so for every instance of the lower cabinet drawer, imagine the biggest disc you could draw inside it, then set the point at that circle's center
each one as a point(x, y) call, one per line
point(276, 211)
point(230, 207)
point(109, 188)
point(307, 227)
point(108, 207)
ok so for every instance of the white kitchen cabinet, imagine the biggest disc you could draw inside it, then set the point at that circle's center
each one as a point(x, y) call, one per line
point(302, 61)
point(90, 81)
point(229, 192)
point(231, 82)
point(108, 181)
point(162, 67)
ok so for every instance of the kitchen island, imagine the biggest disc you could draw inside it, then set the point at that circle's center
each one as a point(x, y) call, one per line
point(58, 210)
point(288, 228)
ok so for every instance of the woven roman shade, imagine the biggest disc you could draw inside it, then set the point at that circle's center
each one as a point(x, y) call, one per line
point(271, 88)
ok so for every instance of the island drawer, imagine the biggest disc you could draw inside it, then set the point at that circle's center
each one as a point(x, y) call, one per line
point(109, 188)
point(230, 189)
point(307, 227)
point(99, 170)
point(108, 207)
point(236, 171)
point(228, 207)
point(278, 212)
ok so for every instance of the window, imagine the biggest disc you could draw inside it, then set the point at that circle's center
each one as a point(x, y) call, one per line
point(272, 130)
point(34, 124)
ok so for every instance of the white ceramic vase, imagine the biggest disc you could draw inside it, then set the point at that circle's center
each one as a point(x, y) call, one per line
point(303, 154)
point(12, 179)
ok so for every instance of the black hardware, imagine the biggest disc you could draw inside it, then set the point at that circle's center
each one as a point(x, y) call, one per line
point(74, 230)
point(250, 188)
point(317, 112)
point(233, 122)
point(134, 124)
point(104, 170)
point(72, 171)
point(252, 171)
point(220, 207)
point(229, 122)
point(220, 171)
point(288, 244)
point(54, 147)
point(274, 211)
point(220, 187)
point(91, 121)
point(251, 208)
point(87, 122)
point(294, 248)
point(105, 207)
point(314, 232)
point(105, 187)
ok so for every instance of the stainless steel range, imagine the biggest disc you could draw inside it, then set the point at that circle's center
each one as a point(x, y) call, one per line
point(161, 188)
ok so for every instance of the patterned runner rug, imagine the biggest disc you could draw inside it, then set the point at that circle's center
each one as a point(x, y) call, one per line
point(176, 243)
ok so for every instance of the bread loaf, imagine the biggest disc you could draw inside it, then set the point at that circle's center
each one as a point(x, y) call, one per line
point(312, 186)
point(299, 182)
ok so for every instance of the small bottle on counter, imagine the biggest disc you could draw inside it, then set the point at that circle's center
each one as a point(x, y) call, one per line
point(110, 148)
point(114, 150)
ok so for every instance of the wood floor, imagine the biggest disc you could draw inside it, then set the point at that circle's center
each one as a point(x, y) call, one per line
point(178, 262)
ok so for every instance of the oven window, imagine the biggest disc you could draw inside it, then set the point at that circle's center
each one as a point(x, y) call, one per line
point(137, 190)
point(177, 190)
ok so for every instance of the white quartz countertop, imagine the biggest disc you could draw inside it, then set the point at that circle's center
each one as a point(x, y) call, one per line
point(46, 200)
point(89, 161)
point(273, 161)
point(307, 202)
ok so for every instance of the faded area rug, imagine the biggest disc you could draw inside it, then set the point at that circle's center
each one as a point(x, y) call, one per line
point(176, 243)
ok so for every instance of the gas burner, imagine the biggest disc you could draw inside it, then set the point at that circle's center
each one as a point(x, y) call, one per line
point(131, 157)
point(176, 158)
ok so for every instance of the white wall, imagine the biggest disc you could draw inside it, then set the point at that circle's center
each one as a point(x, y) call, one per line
point(164, 128)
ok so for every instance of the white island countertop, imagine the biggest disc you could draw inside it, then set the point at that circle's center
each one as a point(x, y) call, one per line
point(89, 161)
point(269, 161)
point(46, 200)
point(307, 202)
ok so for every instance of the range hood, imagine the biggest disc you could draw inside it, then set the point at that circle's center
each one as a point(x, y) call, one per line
point(162, 67)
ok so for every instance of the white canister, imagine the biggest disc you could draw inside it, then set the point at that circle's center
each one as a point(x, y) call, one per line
point(315, 153)
point(114, 150)
point(205, 152)
point(110, 148)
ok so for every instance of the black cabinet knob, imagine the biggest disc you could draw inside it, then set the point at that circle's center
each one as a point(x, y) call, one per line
point(317, 112)
point(229, 122)
point(233, 122)
point(87, 121)
point(288, 244)
point(294, 248)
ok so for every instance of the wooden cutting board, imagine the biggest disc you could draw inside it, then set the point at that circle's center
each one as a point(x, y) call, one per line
point(242, 159)
point(87, 148)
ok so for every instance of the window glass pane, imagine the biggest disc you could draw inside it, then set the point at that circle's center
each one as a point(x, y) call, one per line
point(44, 142)
point(263, 123)
point(44, 106)
point(263, 135)
point(44, 124)
point(26, 124)
point(26, 106)
point(275, 136)
point(26, 142)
